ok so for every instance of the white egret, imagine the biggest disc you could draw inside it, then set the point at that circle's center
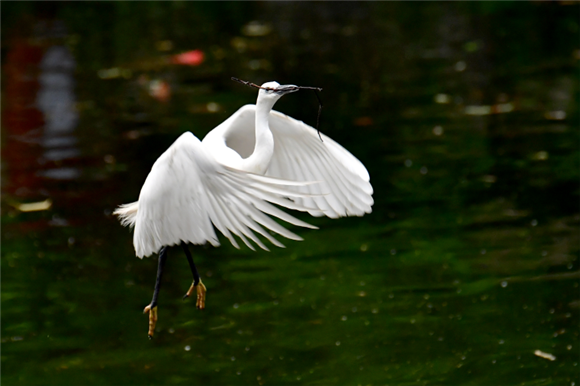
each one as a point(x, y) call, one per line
point(229, 181)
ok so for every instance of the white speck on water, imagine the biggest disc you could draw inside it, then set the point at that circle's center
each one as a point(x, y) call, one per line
point(423, 170)
point(212, 107)
point(442, 98)
point(501, 341)
point(338, 343)
point(408, 163)
point(504, 284)
point(374, 310)
point(187, 348)
point(557, 115)
point(437, 130)
point(460, 66)
point(534, 222)
point(544, 355)
point(233, 358)
point(236, 305)
point(343, 318)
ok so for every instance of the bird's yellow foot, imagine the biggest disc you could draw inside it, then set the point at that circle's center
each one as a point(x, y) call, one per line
point(152, 319)
point(201, 290)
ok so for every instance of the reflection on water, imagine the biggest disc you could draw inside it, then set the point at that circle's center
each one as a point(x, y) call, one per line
point(56, 101)
point(467, 271)
point(41, 115)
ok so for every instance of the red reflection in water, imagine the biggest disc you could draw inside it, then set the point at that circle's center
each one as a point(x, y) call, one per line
point(189, 58)
point(21, 120)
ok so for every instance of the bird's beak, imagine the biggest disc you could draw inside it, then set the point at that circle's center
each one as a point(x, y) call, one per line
point(287, 89)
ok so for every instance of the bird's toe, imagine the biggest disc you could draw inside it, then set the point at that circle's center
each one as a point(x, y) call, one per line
point(201, 290)
point(152, 319)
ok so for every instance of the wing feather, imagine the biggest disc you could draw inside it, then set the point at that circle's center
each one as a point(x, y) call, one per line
point(237, 224)
point(219, 219)
point(339, 180)
point(299, 155)
point(299, 174)
point(273, 211)
point(316, 164)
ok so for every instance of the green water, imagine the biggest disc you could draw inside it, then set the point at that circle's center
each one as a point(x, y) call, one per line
point(466, 116)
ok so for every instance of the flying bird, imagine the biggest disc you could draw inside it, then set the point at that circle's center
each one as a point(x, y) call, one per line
point(229, 181)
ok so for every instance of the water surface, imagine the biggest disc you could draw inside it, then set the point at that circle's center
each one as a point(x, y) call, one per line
point(466, 272)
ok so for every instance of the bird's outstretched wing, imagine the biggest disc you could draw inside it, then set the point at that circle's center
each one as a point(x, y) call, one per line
point(299, 155)
point(187, 190)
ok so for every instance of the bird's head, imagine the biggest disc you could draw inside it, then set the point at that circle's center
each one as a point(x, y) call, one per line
point(272, 91)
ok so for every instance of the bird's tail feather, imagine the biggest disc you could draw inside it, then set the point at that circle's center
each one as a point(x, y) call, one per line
point(127, 213)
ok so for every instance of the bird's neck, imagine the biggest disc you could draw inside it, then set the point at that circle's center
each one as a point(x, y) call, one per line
point(260, 159)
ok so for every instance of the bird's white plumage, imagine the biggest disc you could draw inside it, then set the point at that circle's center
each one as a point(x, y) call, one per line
point(195, 186)
point(187, 191)
point(299, 155)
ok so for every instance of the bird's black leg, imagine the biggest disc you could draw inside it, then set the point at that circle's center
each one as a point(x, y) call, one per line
point(152, 308)
point(197, 284)
point(191, 264)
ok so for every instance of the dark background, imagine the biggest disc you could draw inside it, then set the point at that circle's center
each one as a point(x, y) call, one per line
point(465, 114)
